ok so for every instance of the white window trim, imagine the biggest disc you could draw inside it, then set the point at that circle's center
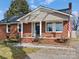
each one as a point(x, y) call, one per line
point(7, 31)
point(22, 29)
point(18, 27)
point(6, 28)
point(53, 27)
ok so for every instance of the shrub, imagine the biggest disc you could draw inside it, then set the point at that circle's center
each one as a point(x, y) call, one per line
point(18, 36)
point(62, 40)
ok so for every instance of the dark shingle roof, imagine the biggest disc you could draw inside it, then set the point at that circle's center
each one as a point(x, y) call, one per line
point(66, 10)
point(12, 19)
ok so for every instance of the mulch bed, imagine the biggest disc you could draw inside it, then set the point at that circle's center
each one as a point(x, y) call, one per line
point(50, 41)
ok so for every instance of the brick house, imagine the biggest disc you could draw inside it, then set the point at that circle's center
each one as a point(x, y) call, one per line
point(42, 22)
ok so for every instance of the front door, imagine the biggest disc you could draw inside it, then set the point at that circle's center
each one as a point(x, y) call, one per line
point(37, 29)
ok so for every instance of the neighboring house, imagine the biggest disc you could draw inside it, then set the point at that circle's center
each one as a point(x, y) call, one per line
point(41, 22)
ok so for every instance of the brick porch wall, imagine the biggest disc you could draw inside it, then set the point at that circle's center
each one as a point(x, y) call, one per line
point(51, 35)
point(27, 35)
point(27, 30)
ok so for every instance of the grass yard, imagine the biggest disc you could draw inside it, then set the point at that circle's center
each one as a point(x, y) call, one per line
point(9, 52)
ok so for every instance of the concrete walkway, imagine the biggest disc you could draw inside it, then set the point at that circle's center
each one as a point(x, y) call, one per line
point(53, 54)
point(30, 45)
point(51, 51)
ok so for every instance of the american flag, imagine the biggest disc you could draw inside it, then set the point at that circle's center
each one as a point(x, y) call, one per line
point(70, 26)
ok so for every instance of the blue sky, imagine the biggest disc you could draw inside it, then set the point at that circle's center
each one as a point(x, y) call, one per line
point(55, 4)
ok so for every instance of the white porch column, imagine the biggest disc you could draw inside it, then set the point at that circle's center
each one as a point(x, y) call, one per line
point(40, 29)
point(21, 29)
point(33, 29)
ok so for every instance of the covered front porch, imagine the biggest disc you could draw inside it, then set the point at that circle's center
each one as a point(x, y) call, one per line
point(44, 23)
point(44, 30)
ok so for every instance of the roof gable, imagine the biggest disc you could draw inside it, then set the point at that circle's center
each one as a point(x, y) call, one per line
point(43, 15)
point(61, 11)
point(47, 10)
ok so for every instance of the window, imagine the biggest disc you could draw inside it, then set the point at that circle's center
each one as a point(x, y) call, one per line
point(19, 27)
point(59, 26)
point(8, 28)
point(54, 27)
point(49, 27)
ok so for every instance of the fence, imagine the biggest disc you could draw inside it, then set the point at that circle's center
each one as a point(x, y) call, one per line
point(75, 34)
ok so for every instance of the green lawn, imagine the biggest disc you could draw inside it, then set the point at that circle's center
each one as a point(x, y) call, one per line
point(10, 52)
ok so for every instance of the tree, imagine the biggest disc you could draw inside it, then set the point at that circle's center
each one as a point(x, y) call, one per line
point(75, 22)
point(17, 8)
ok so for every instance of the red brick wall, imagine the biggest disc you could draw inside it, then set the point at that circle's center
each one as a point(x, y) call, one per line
point(43, 27)
point(51, 34)
point(2, 31)
point(27, 28)
point(65, 31)
point(13, 31)
point(13, 27)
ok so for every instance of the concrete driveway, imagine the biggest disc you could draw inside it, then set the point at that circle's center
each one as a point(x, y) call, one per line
point(54, 54)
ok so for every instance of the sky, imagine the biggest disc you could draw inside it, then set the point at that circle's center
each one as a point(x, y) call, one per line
point(55, 4)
